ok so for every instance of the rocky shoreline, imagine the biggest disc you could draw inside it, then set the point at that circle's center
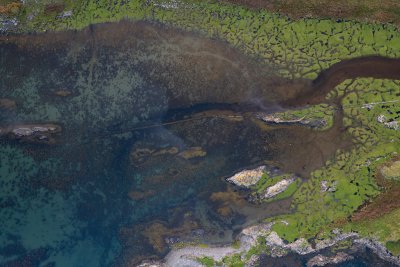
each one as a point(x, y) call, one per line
point(276, 247)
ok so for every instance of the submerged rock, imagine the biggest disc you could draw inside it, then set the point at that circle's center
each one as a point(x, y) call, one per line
point(8, 104)
point(221, 114)
point(192, 152)
point(63, 93)
point(247, 178)
point(36, 133)
point(138, 195)
point(278, 118)
point(140, 155)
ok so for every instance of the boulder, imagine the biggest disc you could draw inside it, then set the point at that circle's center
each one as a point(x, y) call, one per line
point(277, 188)
point(247, 178)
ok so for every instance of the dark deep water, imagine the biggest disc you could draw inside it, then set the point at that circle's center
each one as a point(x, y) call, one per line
point(120, 178)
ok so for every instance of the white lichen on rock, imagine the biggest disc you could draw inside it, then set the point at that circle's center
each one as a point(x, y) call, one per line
point(326, 187)
point(278, 188)
point(394, 125)
point(247, 178)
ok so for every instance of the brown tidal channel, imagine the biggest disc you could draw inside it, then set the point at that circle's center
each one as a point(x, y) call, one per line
point(371, 66)
point(181, 75)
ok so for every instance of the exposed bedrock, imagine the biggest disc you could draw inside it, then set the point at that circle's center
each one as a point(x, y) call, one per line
point(247, 178)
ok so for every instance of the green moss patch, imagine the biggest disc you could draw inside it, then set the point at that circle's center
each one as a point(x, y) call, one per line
point(233, 261)
point(394, 247)
point(206, 261)
point(259, 248)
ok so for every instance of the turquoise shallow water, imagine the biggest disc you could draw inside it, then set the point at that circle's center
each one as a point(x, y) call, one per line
point(112, 190)
point(73, 203)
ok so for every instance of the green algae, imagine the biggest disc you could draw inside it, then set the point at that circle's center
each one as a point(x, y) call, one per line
point(297, 48)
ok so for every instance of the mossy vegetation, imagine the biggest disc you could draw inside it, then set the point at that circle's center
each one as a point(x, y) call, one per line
point(392, 170)
point(206, 261)
point(258, 249)
point(233, 261)
point(236, 244)
point(352, 172)
point(385, 229)
point(394, 247)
